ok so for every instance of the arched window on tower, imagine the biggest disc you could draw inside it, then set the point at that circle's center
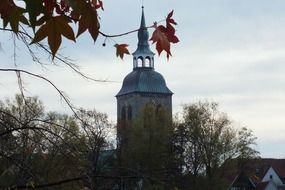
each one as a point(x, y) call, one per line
point(140, 62)
point(158, 108)
point(130, 113)
point(123, 114)
point(147, 62)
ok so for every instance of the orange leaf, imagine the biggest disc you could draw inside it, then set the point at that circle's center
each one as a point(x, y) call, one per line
point(121, 50)
point(53, 29)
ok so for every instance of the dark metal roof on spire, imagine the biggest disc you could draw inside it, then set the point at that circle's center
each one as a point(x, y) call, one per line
point(143, 78)
point(143, 36)
point(143, 19)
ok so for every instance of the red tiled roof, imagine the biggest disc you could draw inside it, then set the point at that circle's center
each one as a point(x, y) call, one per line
point(261, 186)
point(255, 179)
point(277, 164)
point(255, 169)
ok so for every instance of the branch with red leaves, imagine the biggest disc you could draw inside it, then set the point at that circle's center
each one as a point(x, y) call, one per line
point(53, 19)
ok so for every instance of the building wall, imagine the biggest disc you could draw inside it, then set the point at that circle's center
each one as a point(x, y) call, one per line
point(272, 175)
point(138, 100)
point(271, 186)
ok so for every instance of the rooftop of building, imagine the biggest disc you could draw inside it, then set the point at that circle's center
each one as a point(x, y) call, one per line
point(145, 80)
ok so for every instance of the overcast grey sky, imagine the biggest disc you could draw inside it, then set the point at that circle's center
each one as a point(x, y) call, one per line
point(231, 52)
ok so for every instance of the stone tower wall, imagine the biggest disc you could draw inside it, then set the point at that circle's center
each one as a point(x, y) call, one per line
point(137, 101)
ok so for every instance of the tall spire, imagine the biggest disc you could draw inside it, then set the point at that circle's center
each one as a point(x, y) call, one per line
point(143, 33)
point(143, 19)
point(143, 52)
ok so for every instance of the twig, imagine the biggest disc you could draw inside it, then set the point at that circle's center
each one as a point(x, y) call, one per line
point(61, 93)
point(57, 57)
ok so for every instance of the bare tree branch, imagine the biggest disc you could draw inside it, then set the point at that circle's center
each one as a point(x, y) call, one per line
point(61, 93)
point(65, 60)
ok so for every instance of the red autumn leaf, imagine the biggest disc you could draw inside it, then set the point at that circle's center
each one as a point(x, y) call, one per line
point(121, 50)
point(75, 16)
point(160, 38)
point(88, 20)
point(5, 7)
point(50, 5)
point(99, 5)
point(64, 5)
point(170, 28)
point(93, 3)
point(53, 29)
point(58, 9)
point(164, 36)
point(34, 9)
point(170, 20)
point(14, 17)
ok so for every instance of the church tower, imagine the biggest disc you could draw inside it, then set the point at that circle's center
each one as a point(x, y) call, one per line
point(143, 85)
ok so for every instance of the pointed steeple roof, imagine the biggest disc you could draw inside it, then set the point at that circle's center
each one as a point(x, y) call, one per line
point(143, 78)
point(143, 36)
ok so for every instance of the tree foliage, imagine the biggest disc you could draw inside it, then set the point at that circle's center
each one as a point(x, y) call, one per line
point(39, 149)
point(206, 139)
point(52, 150)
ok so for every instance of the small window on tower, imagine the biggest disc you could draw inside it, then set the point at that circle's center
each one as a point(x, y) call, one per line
point(123, 114)
point(158, 107)
point(147, 62)
point(140, 62)
point(130, 114)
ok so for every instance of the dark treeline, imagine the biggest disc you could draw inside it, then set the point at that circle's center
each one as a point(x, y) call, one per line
point(49, 150)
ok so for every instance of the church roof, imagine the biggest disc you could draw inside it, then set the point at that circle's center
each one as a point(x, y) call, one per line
point(144, 80)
